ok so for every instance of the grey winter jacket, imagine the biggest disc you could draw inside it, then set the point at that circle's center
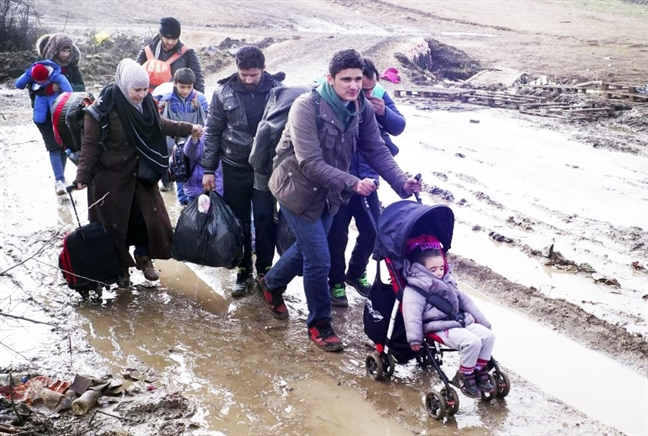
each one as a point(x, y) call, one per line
point(312, 164)
point(228, 137)
point(421, 317)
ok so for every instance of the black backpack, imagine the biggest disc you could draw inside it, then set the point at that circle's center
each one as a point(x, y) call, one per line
point(270, 129)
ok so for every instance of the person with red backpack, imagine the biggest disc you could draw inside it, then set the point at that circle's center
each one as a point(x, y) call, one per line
point(166, 54)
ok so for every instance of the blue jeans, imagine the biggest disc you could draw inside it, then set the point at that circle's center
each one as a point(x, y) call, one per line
point(182, 197)
point(58, 159)
point(311, 253)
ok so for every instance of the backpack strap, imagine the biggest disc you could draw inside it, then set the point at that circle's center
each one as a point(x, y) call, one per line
point(317, 98)
point(175, 56)
point(442, 304)
point(149, 53)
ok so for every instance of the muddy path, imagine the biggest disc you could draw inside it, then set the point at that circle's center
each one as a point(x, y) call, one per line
point(518, 186)
point(244, 372)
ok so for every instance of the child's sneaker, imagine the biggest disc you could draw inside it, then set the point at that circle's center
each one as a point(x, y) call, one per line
point(467, 384)
point(338, 295)
point(275, 300)
point(59, 186)
point(322, 335)
point(483, 381)
point(361, 284)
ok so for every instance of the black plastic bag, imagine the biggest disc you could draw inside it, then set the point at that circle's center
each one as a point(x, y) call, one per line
point(285, 236)
point(214, 238)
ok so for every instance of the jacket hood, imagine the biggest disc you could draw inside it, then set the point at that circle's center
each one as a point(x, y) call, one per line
point(446, 288)
point(45, 52)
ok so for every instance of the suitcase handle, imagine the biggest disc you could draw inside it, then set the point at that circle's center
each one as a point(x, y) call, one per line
point(69, 190)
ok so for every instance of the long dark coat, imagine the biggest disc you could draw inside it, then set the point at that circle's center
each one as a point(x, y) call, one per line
point(114, 170)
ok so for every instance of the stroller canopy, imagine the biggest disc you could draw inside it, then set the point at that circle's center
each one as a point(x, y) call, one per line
point(406, 219)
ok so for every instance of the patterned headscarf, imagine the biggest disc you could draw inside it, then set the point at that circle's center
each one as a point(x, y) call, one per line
point(129, 75)
point(57, 42)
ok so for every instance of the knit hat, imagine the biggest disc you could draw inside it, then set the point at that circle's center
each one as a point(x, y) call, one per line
point(40, 73)
point(419, 244)
point(170, 28)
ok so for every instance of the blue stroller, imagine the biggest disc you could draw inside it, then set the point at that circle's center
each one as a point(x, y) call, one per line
point(383, 318)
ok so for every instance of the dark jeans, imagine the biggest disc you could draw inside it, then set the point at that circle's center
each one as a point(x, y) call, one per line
point(244, 201)
point(338, 238)
point(310, 252)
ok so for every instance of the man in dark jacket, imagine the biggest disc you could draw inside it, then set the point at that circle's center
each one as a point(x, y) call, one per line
point(166, 44)
point(390, 122)
point(311, 181)
point(235, 111)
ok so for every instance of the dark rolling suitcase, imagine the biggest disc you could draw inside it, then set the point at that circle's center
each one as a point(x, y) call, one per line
point(89, 260)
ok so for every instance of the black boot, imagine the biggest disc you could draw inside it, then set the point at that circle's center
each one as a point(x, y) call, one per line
point(244, 280)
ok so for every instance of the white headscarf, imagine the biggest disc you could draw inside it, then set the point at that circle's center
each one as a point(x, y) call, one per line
point(130, 75)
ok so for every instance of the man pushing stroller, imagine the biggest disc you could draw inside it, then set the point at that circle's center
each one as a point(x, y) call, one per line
point(434, 306)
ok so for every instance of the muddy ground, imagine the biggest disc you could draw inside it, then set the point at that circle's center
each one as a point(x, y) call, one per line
point(225, 367)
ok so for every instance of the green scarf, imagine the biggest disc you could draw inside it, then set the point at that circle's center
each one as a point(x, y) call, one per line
point(345, 111)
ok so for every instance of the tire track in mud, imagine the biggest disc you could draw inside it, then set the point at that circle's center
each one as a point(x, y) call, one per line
point(561, 315)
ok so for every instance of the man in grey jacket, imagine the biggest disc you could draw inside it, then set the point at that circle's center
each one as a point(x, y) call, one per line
point(311, 180)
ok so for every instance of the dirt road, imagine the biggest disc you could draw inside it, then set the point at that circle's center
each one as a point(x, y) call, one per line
point(566, 341)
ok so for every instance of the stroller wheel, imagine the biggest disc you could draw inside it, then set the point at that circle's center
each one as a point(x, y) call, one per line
point(436, 405)
point(451, 399)
point(502, 383)
point(374, 366)
point(389, 365)
point(488, 396)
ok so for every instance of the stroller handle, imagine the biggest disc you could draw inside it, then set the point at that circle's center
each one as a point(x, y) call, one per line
point(416, 194)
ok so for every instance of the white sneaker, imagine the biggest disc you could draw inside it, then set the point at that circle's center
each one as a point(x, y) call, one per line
point(60, 187)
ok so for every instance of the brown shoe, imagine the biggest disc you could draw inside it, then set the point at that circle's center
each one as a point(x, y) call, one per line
point(145, 264)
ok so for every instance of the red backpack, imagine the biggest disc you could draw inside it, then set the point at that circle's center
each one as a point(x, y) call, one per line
point(160, 71)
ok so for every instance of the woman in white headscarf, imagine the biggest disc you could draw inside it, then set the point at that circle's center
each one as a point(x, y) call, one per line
point(123, 155)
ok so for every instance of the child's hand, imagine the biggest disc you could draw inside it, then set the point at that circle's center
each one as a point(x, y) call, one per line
point(196, 132)
point(416, 347)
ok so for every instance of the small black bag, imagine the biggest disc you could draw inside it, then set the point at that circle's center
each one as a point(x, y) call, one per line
point(377, 315)
point(214, 238)
point(145, 173)
point(285, 235)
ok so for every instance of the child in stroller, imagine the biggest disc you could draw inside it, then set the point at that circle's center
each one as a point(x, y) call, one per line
point(406, 230)
point(462, 326)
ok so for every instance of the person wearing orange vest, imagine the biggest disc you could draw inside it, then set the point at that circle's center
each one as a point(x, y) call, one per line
point(166, 46)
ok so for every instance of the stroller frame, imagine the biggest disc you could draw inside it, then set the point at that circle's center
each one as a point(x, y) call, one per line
point(382, 362)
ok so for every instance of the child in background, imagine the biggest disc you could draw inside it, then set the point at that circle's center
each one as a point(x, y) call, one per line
point(464, 328)
point(183, 103)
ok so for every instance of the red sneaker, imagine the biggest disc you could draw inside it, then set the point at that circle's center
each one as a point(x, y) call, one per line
point(275, 301)
point(322, 335)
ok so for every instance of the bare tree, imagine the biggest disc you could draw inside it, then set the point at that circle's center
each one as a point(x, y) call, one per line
point(18, 23)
